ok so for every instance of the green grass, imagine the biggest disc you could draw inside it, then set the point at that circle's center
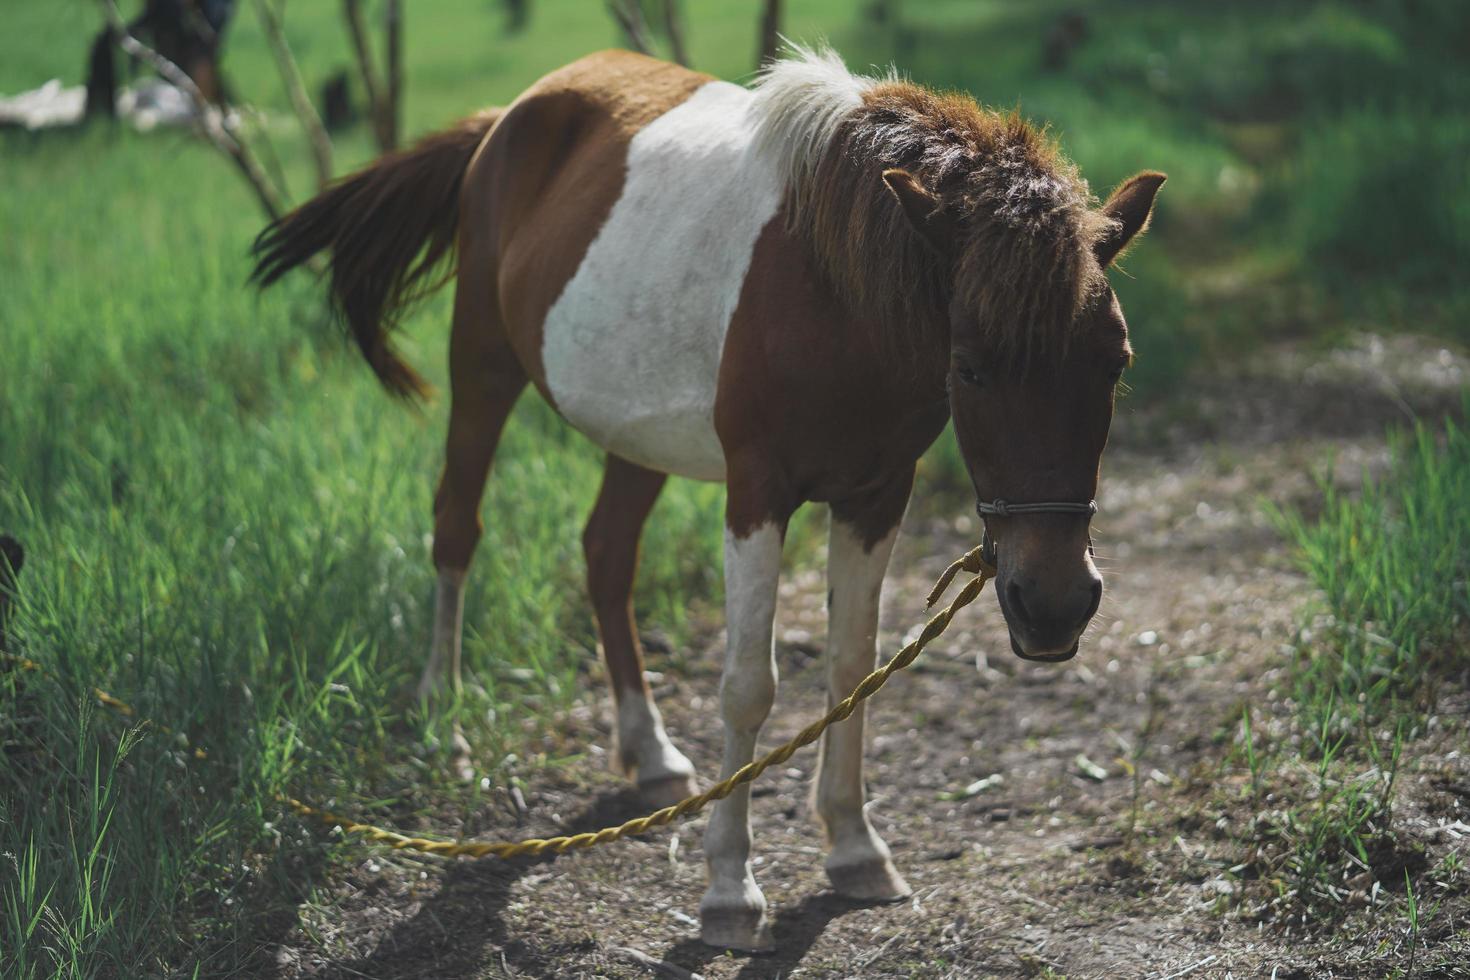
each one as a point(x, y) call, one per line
point(226, 519)
point(226, 526)
point(1392, 561)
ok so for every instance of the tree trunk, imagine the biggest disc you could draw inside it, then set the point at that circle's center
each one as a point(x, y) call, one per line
point(629, 15)
point(393, 103)
point(674, 28)
point(352, 9)
point(770, 32)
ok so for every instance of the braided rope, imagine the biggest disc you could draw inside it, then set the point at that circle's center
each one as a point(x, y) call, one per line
point(693, 804)
point(971, 562)
point(103, 698)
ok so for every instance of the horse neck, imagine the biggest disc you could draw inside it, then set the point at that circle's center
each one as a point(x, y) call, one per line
point(914, 352)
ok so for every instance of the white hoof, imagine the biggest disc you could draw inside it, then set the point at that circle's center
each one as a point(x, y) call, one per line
point(747, 930)
point(733, 916)
point(873, 879)
point(663, 791)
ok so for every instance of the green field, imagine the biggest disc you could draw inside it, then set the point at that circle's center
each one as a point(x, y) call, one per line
point(226, 519)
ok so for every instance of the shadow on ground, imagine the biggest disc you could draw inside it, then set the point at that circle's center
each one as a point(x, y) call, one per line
point(461, 929)
point(797, 928)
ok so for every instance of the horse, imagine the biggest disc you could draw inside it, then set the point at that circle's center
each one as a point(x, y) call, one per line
point(791, 288)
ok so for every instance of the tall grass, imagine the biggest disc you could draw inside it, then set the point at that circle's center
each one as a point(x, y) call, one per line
point(226, 526)
point(1393, 564)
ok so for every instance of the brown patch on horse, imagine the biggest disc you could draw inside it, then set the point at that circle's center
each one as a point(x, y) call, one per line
point(547, 178)
point(1007, 226)
point(833, 421)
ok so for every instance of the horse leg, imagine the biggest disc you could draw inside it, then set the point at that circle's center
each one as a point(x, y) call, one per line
point(610, 543)
point(733, 911)
point(485, 380)
point(860, 543)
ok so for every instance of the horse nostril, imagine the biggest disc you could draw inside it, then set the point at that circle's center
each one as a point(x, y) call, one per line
point(1018, 606)
point(1096, 599)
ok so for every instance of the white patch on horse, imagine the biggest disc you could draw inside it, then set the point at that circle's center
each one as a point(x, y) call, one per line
point(860, 865)
point(733, 910)
point(632, 346)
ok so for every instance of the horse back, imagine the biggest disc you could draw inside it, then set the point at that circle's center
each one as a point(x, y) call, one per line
point(616, 206)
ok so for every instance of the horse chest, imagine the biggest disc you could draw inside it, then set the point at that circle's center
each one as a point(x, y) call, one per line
point(632, 347)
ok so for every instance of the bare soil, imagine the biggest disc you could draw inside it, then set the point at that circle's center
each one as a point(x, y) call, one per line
point(1101, 851)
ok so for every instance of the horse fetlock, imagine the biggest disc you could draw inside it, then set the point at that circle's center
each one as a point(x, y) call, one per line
point(460, 760)
point(644, 753)
point(442, 673)
point(732, 915)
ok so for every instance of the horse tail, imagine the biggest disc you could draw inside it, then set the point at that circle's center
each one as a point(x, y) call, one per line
point(387, 228)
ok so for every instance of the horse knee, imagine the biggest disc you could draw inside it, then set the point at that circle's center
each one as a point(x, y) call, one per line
point(746, 697)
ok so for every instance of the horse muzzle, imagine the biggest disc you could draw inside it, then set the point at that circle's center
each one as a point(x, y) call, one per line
point(1044, 658)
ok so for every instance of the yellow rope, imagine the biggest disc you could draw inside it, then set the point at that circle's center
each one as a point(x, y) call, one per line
point(103, 698)
point(869, 686)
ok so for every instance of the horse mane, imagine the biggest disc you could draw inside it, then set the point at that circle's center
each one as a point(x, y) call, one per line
point(1022, 263)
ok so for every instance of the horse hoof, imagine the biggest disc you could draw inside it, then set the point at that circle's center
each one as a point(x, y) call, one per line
point(874, 880)
point(741, 928)
point(666, 790)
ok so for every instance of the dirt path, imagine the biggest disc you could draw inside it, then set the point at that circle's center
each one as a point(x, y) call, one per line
point(1049, 867)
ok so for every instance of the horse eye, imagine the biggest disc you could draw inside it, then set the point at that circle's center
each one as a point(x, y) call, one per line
point(968, 375)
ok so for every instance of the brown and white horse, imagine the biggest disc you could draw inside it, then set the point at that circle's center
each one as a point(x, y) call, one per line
point(790, 288)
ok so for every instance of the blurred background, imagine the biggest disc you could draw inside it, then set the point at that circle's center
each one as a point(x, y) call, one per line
point(227, 520)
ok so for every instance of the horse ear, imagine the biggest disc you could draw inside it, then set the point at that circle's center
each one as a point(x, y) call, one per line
point(921, 208)
point(1130, 207)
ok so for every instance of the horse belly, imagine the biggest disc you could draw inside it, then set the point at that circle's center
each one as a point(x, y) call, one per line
point(631, 348)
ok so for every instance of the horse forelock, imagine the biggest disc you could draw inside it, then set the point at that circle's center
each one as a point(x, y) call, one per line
point(1021, 265)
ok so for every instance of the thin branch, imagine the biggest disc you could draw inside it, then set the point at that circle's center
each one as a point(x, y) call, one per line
point(770, 38)
point(629, 15)
point(260, 136)
point(352, 9)
point(213, 124)
point(674, 28)
point(306, 114)
point(393, 103)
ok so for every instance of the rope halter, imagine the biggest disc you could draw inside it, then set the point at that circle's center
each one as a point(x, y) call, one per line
point(1002, 508)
